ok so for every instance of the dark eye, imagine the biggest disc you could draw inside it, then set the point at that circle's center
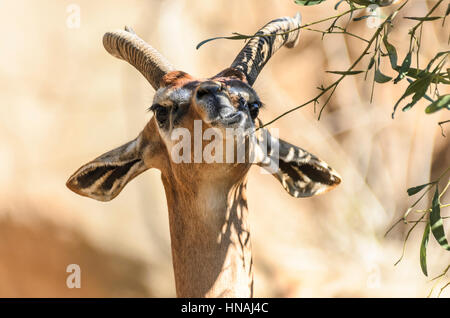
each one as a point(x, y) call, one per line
point(161, 113)
point(254, 109)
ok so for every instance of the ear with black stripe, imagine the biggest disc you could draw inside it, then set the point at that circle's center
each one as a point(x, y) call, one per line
point(301, 173)
point(104, 177)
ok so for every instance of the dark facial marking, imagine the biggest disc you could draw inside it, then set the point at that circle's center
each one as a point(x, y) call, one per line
point(118, 173)
point(88, 179)
point(161, 114)
point(254, 109)
point(178, 112)
point(315, 173)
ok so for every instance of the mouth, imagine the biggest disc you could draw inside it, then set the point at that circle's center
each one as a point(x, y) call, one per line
point(221, 112)
point(235, 119)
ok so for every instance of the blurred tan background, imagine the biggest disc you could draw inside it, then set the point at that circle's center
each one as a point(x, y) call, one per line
point(64, 100)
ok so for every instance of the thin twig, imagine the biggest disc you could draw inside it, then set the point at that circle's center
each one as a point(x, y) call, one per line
point(413, 30)
point(442, 128)
point(341, 32)
point(336, 83)
point(239, 36)
point(443, 192)
point(438, 278)
point(442, 289)
point(429, 210)
point(406, 239)
point(392, 227)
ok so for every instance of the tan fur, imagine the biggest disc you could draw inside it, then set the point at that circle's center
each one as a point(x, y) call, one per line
point(207, 202)
point(210, 236)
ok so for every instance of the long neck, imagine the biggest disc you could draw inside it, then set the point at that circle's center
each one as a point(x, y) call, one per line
point(210, 238)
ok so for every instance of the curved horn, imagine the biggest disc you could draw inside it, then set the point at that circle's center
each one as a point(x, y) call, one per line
point(126, 45)
point(258, 50)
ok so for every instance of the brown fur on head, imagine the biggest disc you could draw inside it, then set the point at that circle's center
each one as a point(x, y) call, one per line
point(204, 178)
point(186, 104)
point(183, 103)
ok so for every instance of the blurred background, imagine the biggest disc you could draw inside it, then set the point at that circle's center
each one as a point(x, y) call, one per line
point(64, 100)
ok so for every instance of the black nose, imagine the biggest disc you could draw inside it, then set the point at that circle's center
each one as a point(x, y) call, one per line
point(210, 87)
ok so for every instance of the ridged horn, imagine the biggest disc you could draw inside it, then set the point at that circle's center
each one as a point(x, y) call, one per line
point(255, 54)
point(126, 45)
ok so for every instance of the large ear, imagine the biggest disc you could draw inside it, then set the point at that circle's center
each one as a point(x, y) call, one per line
point(301, 173)
point(104, 177)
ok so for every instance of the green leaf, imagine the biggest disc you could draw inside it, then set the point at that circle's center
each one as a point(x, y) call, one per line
point(418, 88)
point(381, 3)
point(362, 2)
point(371, 63)
point(362, 18)
point(392, 52)
point(380, 77)
point(418, 85)
point(337, 4)
point(428, 98)
point(346, 72)
point(438, 55)
point(418, 73)
point(442, 102)
point(365, 2)
point(420, 92)
point(437, 225)
point(423, 18)
point(414, 190)
point(423, 249)
point(308, 2)
point(404, 68)
point(237, 36)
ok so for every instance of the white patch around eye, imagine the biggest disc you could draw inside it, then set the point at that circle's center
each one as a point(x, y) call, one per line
point(239, 91)
point(160, 96)
point(167, 97)
point(181, 96)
